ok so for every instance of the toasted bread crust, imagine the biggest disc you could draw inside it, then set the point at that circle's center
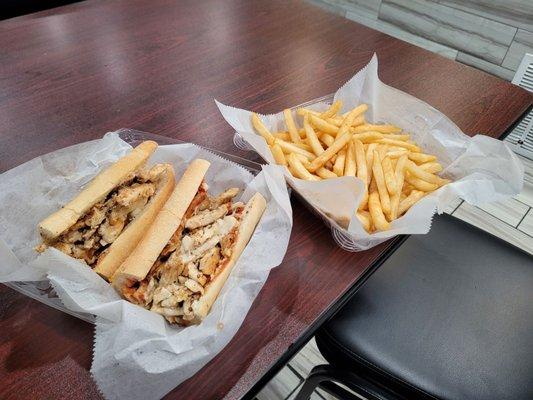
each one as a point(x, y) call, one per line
point(140, 261)
point(57, 223)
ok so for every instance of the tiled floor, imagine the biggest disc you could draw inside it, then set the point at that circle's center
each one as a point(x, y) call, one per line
point(511, 220)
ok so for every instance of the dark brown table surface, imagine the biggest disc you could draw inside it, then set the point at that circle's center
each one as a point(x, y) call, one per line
point(71, 74)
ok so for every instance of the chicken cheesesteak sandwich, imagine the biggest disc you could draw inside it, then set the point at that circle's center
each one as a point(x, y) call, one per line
point(183, 261)
point(106, 220)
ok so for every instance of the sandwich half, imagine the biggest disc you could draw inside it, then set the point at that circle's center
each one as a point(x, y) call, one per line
point(180, 266)
point(106, 220)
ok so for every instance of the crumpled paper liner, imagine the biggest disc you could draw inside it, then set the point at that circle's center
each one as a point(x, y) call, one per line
point(482, 169)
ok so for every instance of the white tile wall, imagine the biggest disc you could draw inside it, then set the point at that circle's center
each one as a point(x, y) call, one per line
point(488, 40)
point(492, 35)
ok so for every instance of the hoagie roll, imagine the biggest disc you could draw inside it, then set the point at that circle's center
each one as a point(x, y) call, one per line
point(180, 266)
point(106, 220)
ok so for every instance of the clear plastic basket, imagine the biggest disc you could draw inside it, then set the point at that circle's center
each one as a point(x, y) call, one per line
point(340, 234)
point(42, 290)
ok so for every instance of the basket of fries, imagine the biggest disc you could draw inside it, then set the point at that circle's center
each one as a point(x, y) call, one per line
point(375, 162)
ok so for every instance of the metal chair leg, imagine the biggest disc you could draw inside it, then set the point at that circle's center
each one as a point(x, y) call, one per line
point(325, 376)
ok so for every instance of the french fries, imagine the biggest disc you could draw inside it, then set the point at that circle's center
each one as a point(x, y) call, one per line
point(312, 138)
point(331, 144)
point(279, 157)
point(349, 162)
point(291, 126)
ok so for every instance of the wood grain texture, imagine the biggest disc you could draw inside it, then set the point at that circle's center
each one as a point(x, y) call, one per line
point(71, 74)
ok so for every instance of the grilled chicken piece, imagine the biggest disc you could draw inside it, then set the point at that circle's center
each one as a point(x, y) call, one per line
point(128, 195)
point(111, 228)
point(215, 232)
point(214, 202)
point(210, 260)
point(207, 217)
point(195, 274)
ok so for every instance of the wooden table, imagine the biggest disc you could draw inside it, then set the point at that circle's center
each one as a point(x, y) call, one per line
point(71, 74)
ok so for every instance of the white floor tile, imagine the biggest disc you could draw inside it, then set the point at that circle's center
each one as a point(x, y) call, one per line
point(526, 225)
point(314, 396)
point(307, 358)
point(493, 225)
point(509, 211)
point(453, 205)
point(281, 386)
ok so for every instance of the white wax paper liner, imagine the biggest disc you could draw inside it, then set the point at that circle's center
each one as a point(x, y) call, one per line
point(137, 355)
point(482, 169)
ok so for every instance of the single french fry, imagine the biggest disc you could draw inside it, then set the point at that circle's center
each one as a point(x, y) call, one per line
point(376, 211)
point(304, 146)
point(359, 110)
point(421, 158)
point(364, 218)
point(410, 200)
point(418, 172)
point(326, 173)
point(327, 139)
point(282, 135)
point(337, 145)
point(364, 201)
point(299, 170)
point(399, 143)
point(332, 110)
point(303, 159)
point(360, 161)
point(291, 126)
point(262, 129)
point(288, 148)
point(396, 136)
point(349, 119)
point(377, 128)
point(396, 197)
point(360, 120)
point(303, 111)
point(367, 137)
point(369, 157)
point(382, 149)
point(377, 171)
point(420, 184)
point(395, 154)
point(334, 121)
point(278, 155)
point(431, 167)
point(350, 166)
point(322, 125)
point(390, 178)
point(312, 139)
point(407, 187)
point(338, 166)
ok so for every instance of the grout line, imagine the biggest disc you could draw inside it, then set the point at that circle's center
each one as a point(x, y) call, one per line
point(499, 219)
point(524, 216)
point(477, 15)
point(379, 10)
point(295, 372)
point(520, 201)
point(508, 47)
point(493, 216)
point(293, 390)
point(458, 205)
